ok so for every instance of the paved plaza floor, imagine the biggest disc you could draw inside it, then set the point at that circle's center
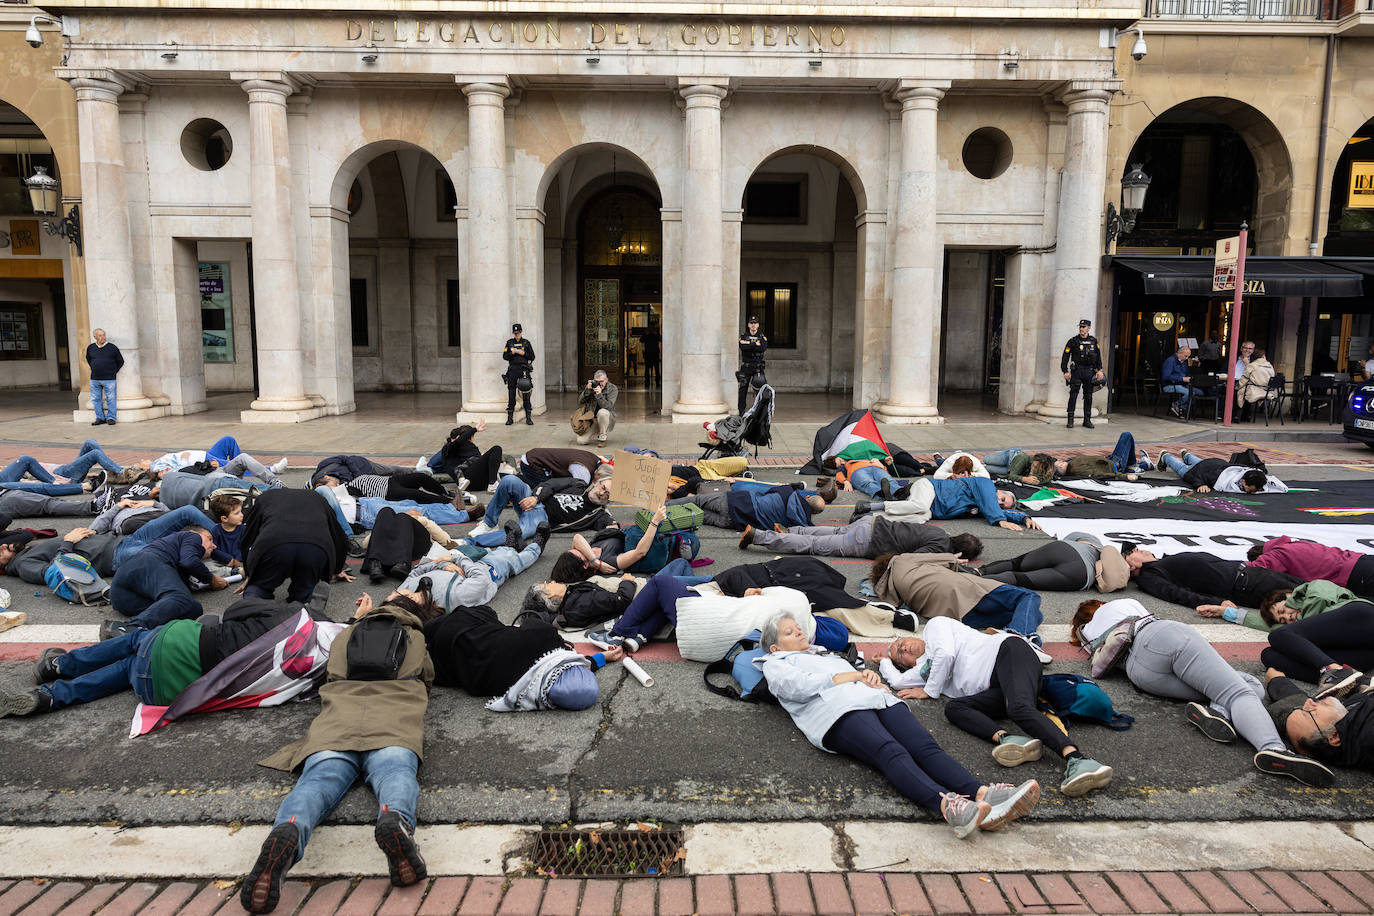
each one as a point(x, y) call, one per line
point(1186, 826)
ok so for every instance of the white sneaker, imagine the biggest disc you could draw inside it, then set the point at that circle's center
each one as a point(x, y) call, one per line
point(504, 469)
point(481, 528)
point(468, 498)
point(422, 463)
point(491, 488)
point(278, 467)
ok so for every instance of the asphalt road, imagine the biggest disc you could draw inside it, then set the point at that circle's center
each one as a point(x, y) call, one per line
point(674, 752)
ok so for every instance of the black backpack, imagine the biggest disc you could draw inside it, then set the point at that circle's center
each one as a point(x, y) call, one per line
point(376, 649)
point(1248, 459)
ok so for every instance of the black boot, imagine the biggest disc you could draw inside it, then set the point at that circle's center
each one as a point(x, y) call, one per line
point(1087, 422)
point(510, 417)
point(372, 568)
point(529, 420)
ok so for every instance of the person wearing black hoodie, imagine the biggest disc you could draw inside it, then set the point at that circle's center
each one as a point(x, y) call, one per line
point(291, 534)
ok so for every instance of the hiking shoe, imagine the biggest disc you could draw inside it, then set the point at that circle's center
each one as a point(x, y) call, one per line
point(1283, 762)
point(109, 629)
point(885, 487)
point(1008, 802)
point(861, 508)
point(25, 702)
point(542, 533)
point(1216, 727)
point(747, 537)
point(45, 669)
point(513, 537)
point(397, 841)
point(262, 888)
point(1336, 681)
point(1014, 750)
point(962, 813)
point(1082, 775)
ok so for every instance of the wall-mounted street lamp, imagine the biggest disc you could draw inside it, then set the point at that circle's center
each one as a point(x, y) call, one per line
point(1133, 188)
point(43, 197)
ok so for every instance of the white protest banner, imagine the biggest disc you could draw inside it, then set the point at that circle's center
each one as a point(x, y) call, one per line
point(1228, 540)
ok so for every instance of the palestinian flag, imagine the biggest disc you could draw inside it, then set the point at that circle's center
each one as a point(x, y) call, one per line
point(852, 437)
point(285, 663)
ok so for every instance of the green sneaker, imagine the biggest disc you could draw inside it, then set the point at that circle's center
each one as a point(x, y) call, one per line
point(1013, 750)
point(1008, 802)
point(1082, 775)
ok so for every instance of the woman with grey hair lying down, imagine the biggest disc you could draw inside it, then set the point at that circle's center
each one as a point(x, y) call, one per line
point(850, 712)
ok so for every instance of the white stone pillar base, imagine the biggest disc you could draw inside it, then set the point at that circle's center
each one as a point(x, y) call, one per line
point(282, 412)
point(126, 414)
point(696, 413)
point(904, 415)
point(1059, 413)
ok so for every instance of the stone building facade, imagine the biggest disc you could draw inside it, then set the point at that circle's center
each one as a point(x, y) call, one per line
point(375, 197)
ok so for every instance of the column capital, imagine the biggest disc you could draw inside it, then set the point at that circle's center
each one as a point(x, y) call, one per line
point(1084, 94)
point(920, 93)
point(703, 91)
point(276, 81)
point(488, 85)
point(97, 85)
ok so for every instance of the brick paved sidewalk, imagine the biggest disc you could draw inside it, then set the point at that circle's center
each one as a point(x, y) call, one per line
point(720, 895)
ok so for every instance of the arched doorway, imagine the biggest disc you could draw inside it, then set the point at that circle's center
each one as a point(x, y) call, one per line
point(1344, 328)
point(799, 270)
point(403, 292)
point(34, 342)
point(620, 276)
point(1214, 163)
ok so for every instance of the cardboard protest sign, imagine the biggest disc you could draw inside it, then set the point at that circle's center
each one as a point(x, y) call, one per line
point(640, 480)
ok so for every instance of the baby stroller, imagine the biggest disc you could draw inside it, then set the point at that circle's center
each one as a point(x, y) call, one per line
point(730, 437)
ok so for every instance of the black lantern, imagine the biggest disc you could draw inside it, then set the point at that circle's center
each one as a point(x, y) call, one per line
point(44, 200)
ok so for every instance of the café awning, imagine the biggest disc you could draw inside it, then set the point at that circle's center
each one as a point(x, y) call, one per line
point(1264, 276)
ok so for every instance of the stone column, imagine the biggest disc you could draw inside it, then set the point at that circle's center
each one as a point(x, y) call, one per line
point(529, 288)
point(916, 270)
point(700, 386)
point(487, 319)
point(107, 238)
point(1080, 241)
point(281, 362)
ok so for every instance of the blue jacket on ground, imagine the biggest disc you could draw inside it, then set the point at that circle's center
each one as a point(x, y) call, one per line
point(957, 495)
point(184, 551)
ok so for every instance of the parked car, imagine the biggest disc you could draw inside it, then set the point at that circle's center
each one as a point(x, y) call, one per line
point(1359, 414)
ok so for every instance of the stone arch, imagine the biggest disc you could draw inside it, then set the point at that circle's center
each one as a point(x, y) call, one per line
point(847, 169)
point(1273, 164)
point(634, 161)
point(355, 161)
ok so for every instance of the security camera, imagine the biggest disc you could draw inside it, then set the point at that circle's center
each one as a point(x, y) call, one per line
point(1138, 49)
point(33, 36)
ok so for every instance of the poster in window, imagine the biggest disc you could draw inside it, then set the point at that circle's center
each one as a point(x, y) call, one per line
point(1361, 186)
point(216, 313)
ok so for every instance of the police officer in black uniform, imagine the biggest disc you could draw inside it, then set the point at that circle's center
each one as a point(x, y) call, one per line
point(519, 352)
point(1082, 366)
point(751, 349)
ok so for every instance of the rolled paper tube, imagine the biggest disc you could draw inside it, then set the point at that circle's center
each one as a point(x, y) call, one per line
point(639, 673)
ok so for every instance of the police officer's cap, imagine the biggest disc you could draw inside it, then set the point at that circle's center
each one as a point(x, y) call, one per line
point(753, 319)
point(1085, 323)
point(516, 328)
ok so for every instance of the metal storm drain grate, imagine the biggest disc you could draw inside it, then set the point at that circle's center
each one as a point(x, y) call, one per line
point(609, 853)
